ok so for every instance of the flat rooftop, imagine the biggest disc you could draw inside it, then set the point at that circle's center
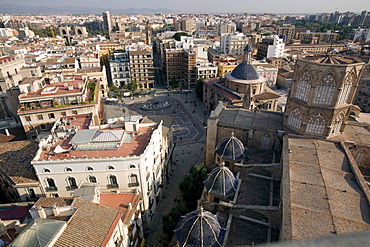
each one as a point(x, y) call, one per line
point(325, 198)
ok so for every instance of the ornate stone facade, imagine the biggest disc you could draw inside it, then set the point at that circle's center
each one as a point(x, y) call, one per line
point(321, 95)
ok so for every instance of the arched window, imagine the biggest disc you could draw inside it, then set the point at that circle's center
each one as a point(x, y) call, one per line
point(337, 123)
point(133, 181)
point(68, 169)
point(346, 90)
point(91, 179)
point(112, 179)
point(295, 119)
point(45, 170)
point(132, 166)
point(89, 168)
point(110, 168)
point(50, 184)
point(303, 87)
point(316, 124)
point(359, 157)
point(325, 90)
point(72, 183)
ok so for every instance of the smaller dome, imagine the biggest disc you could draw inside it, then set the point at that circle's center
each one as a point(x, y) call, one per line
point(221, 181)
point(200, 228)
point(231, 148)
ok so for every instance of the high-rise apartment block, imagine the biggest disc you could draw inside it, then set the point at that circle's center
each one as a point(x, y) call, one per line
point(270, 47)
point(233, 43)
point(142, 67)
point(107, 21)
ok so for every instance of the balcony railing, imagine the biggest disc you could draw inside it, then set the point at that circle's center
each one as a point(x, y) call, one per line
point(53, 188)
point(73, 187)
point(111, 186)
point(133, 184)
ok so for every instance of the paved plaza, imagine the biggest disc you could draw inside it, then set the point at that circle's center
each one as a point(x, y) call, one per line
point(189, 133)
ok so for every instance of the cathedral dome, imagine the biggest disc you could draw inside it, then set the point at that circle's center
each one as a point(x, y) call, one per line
point(221, 182)
point(245, 71)
point(231, 148)
point(200, 228)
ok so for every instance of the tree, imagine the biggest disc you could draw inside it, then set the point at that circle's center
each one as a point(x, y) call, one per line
point(170, 220)
point(178, 35)
point(199, 89)
point(191, 186)
point(173, 83)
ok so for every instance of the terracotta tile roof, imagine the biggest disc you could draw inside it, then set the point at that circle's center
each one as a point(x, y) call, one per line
point(120, 203)
point(88, 226)
point(15, 158)
point(5, 59)
point(224, 93)
point(267, 95)
point(91, 225)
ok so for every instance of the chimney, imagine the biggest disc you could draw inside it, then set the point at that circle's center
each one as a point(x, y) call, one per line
point(70, 86)
point(41, 212)
point(129, 206)
point(56, 211)
point(7, 132)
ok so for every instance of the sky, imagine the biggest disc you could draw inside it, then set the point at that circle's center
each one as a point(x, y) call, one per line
point(213, 6)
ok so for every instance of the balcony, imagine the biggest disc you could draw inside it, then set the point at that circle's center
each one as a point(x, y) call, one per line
point(73, 187)
point(53, 188)
point(133, 184)
point(112, 186)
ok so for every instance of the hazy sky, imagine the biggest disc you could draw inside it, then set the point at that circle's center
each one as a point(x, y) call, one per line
point(225, 6)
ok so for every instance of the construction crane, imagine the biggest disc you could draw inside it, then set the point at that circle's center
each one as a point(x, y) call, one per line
point(52, 34)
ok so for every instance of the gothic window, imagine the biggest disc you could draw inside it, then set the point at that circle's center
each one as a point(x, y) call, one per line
point(337, 123)
point(325, 90)
point(316, 124)
point(346, 90)
point(359, 157)
point(303, 87)
point(295, 119)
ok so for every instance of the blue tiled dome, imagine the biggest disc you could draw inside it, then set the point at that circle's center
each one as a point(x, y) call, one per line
point(221, 182)
point(245, 71)
point(200, 228)
point(231, 148)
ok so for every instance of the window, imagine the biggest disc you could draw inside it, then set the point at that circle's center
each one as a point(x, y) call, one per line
point(110, 168)
point(74, 112)
point(295, 119)
point(316, 124)
point(28, 118)
point(63, 113)
point(325, 90)
point(55, 195)
point(112, 179)
point(303, 87)
point(40, 117)
point(89, 168)
point(51, 115)
point(50, 183)
point(31, 193)
point(71, 181)
point(346, 90)
point(337, 123)
point(92, 179)
point(133, 181)
point(68, 169)
point(46, 170)
point(43, 126)
point(132, 166)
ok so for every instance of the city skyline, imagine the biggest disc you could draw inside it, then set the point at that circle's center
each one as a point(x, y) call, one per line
point(215, 6)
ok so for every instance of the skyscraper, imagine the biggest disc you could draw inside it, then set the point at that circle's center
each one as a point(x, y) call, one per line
point(107, 21)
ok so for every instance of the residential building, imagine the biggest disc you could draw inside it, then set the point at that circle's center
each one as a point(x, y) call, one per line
point(288, 31)
point(363, 96)
point(270, 47)
point(233, 43)
point(142, 67)
point(205, 71)
point(312, 48)
point(10, 72)
point(119, 63)
point(17, 177)
point(268, 71)
point(107, 21)
point(121, 158)
point(361, 34)
point(309, 37)
point(226, 66)
point(42, 102)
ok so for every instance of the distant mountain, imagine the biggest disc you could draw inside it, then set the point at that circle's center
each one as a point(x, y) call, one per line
point(18, 9)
